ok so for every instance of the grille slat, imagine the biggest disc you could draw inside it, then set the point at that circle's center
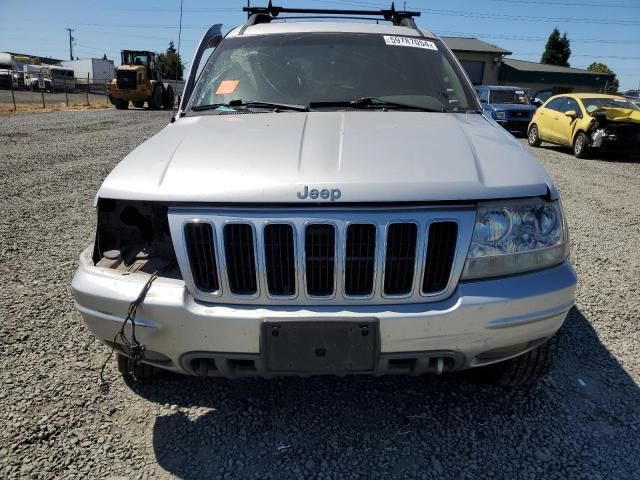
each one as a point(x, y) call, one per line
point(202, 259)
point(400, 258)
point(320, 245)
point(279, 259)
point(441, 248)
point(359, 259)
point(240, 258)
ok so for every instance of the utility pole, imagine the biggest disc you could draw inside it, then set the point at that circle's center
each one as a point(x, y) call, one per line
point(71, 39)
point(179, 38)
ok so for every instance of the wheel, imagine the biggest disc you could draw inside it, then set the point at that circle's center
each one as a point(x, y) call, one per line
point(155, 100)
point(534, 136)
point(138, 104)
point(168, 98)
point(525, 369)
point(142, 371)
point(120, 104)
point(580, 145)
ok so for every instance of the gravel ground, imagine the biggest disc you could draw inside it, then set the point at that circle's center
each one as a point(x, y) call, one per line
point(582, 422)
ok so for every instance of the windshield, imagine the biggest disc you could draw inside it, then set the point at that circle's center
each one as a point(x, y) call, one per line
point(509, 96)
point(133, 58)
point(593, 104)
point(330, 68)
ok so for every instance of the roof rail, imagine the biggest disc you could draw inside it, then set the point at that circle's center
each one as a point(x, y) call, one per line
point(270, 12)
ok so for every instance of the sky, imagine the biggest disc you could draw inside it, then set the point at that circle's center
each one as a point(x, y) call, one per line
point(606, 31)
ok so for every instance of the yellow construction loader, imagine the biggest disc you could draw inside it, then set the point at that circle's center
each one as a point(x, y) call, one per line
point(138, 80)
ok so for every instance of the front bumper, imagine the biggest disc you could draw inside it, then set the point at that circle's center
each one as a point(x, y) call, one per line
point(141, 92)
point(515, 125)
point(181, 333)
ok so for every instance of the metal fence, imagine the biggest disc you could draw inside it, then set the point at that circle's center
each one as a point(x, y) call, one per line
point(69, 92)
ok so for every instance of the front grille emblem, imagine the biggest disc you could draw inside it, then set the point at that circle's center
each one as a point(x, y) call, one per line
point(332, 194)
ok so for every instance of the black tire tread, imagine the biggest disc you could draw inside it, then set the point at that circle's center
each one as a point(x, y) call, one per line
point(585, 150)
point(155, 100)
point(538, 141)
point(525, 369)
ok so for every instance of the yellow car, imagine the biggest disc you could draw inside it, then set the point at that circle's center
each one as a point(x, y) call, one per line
point(587, 122)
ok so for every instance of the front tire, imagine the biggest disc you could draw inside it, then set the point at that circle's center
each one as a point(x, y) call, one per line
point(120, 104)
point(525, 369)
point(534, 136)
point(141, 371)
point(580, 145)
point(168, 98)
point(155, 100)
point(138, 104)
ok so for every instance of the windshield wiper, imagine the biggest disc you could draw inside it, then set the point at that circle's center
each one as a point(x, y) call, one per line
point(252, 104)
point(373, 102)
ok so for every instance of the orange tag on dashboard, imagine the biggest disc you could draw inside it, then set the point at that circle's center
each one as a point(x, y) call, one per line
point(227, 86)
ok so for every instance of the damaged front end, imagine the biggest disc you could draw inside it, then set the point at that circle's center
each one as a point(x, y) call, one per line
point(615, 130)
point(134, 236)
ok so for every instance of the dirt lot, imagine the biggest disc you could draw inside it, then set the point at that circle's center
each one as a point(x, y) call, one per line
point(582, 422)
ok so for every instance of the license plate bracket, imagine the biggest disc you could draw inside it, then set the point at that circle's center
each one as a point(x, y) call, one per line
point(321, 346)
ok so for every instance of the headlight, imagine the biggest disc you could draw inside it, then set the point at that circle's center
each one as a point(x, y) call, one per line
point(516, 237)
point(500, 115)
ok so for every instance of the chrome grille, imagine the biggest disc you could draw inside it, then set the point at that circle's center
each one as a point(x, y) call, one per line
point(310, 256)
point(360, 257)
point(279, 259)
point(240, 258)
point(440, 251)
point(202, 256)
point(401, 258)
point(320, 259)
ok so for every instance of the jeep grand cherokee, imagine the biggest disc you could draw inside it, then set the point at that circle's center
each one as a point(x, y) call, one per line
point(328, 199)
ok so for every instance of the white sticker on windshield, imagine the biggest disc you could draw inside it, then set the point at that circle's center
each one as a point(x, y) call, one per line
point(409, 42)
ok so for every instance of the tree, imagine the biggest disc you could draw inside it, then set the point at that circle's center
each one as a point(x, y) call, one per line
point(170, 63)
point(557, 51)
point(613, 85)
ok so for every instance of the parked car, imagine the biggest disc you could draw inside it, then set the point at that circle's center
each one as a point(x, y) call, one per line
point(542, 96)
point(587, 122)
point(328, 200)
point(509, 106)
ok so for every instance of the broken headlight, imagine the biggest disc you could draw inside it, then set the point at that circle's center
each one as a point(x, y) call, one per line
point(515, 237)
point(133, 235)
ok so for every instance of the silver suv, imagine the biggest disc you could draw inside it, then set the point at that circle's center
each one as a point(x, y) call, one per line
point(328, 199)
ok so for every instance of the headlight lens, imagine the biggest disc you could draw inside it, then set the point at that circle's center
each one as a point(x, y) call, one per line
point(516, 237)
point(501, 115)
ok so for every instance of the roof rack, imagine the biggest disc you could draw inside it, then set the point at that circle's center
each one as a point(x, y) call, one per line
point(267, 14)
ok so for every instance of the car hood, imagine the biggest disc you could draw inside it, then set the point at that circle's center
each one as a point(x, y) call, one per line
point(622, 115)
point(371, 156)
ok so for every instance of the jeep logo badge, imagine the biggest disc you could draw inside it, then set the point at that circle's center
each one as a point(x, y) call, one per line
point(324, 194)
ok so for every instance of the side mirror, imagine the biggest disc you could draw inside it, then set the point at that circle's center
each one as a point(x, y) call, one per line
point(571, 113)
point(482, 100)
point(537, 102)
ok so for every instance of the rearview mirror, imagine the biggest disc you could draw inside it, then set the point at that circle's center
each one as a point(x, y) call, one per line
point(482, 100)
point(570, 113)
